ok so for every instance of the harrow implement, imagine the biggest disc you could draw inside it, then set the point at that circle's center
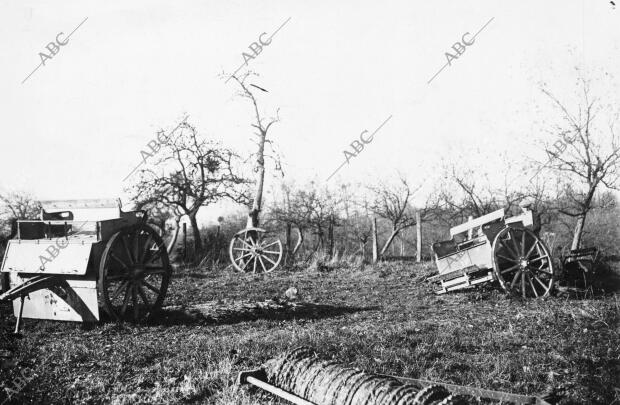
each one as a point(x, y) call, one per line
point(302, 378)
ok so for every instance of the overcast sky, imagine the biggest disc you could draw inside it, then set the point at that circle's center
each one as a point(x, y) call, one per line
point(75, 127)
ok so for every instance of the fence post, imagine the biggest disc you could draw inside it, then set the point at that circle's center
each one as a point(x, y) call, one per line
point(418, 237)
point(375, 246)
point(184, 241)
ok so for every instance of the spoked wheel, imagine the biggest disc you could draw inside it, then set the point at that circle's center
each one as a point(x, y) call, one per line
point(253, 250)
point(522, 263)
point(134, 273)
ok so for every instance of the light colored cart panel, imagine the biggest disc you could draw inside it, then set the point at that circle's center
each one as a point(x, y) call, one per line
point(30, 256)
point(75, 300)
point(479, 255)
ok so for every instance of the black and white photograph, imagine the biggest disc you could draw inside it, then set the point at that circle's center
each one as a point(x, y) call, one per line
point(310, 202)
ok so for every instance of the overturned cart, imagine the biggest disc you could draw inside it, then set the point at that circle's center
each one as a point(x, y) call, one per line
point(491, 248)
point(81, 256)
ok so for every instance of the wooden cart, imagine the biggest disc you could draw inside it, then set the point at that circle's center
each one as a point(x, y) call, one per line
point(493, 247)
point(81, 256)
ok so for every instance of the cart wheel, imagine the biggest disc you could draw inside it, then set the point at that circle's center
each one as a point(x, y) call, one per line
point(134, 273)
point(253, 250)
point(522, 263)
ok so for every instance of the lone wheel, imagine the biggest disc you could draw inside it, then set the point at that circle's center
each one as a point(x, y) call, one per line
point(134, 273)
point(522, 263)
point(254, 250)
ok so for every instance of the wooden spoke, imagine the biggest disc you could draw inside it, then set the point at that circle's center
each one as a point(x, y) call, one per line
point(529, 252)
point(541, 283)
point(126, 300)
point(522, 243)
point(118, 290)
point(513, 240)
point(254, 271)
point(509, 249)
point(507, 258)
point(271, 252)
point(242, 249)
point(245, 264)
point(241, 257)
point(538, 258)
point(122, 263)
point(523, 284)
point(532, 285)
point(539, 270)
point(270, 261)
point(153, 268)
point(117, 277)
point(260, 259)
point(136, 247)
point(246, 243)
point(509, 269)
point(127, 252)
point(143, 295)
point(515, 279)
point(134, 299)
point(271, 244)
point(150, 287)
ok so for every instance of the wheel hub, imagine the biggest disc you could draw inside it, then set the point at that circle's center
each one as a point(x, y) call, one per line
point(137, 272)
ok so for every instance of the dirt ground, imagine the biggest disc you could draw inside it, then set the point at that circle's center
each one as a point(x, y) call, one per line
point(381, 318)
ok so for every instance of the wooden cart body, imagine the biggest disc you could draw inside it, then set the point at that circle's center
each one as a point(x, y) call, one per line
point(468, 258)
point(67, 242)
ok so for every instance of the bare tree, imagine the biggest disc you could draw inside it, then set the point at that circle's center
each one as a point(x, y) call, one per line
point(262, 126)
point(362, 230)
point(393, 203)
point(190, 173)
point(588, 155)
point(16, 206)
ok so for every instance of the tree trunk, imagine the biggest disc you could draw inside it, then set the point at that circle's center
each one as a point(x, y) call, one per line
point(388, 242)
point(330, 236)
point(375, 242)
point(581, 220)
point(363, 250)
point(287, 243)
point(195, 234)
point(260, 180)
point(418, 237)
point(175, 236)
point(300, 240)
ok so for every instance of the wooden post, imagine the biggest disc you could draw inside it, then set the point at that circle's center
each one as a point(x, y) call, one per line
point(375, 243)
point(418, 237)
point(287, 243)
point(4, 282)
point(184, 241)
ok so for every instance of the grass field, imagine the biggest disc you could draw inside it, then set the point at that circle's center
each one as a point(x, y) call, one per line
point(381, 318)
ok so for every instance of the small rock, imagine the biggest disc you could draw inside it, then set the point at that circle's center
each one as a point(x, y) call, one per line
point(291, 294)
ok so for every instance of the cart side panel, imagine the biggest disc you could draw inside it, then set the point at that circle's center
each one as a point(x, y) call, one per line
point(109, 227)
point(46, 256)
point(480, 255)
point(72, 300)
